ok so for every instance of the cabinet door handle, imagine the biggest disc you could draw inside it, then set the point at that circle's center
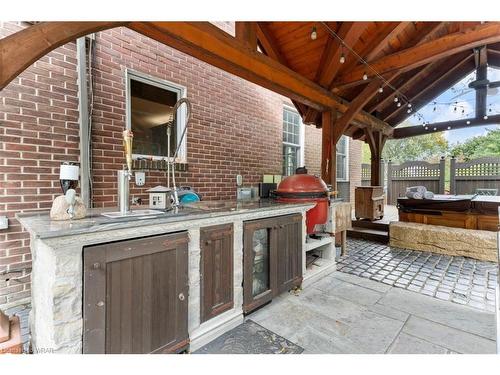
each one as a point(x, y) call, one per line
point(181, 296)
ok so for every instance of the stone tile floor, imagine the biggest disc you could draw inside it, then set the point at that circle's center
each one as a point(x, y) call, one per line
point(343, 313)
point(461, 280)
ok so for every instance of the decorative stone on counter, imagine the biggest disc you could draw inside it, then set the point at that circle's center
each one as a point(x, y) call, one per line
point(59, 210)
point(477, 244)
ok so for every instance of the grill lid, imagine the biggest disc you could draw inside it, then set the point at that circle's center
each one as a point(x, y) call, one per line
point(303, 186)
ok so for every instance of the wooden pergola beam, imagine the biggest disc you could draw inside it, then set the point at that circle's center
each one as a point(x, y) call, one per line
point(21, 49)
point(413, 131)
point(356, 105)
point(207, 43)
point(424, 53)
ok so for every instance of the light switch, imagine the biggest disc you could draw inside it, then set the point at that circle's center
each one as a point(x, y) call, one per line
point(140, 178)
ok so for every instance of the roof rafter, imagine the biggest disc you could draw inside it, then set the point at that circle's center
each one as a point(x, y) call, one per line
point(444, 76)
point(427, 52)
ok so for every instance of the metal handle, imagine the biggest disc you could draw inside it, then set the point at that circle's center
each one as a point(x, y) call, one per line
point(181, 296)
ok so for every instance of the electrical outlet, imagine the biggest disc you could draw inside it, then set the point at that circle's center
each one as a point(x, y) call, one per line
point(140, 178)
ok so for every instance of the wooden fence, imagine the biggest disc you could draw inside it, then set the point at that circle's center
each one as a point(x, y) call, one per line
point(467, 177)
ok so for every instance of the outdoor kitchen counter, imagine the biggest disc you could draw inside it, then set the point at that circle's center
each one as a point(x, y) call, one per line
point(58, 248)
point(40, 225)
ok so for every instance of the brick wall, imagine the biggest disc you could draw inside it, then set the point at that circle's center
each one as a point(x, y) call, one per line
point(236, 128)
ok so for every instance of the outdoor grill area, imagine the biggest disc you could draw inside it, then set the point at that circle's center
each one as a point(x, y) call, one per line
point(195, 187)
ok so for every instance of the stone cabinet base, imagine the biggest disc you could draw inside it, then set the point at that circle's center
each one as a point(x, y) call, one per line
point(477, 244)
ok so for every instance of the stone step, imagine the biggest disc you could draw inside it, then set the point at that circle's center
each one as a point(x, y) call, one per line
point(369, 234)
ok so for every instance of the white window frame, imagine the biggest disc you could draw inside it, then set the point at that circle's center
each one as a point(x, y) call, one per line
point(181, 118)
point(346, 160)
point(300, 145)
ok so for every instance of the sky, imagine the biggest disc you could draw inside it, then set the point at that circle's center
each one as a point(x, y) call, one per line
point(457, 103)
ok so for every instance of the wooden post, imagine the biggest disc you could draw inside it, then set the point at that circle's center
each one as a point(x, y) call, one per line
point(442, 164)
point(376, 141)
point(329, 149)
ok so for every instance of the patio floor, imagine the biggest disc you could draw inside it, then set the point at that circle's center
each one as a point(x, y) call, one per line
point(344, 313)
point(461, 280)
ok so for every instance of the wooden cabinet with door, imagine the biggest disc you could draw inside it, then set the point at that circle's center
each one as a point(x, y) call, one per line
point(136, 295)
point(216, 270)
point(272, 258)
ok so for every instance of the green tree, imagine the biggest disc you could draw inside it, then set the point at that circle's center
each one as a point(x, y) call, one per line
point(428, 147)
point(484, 145)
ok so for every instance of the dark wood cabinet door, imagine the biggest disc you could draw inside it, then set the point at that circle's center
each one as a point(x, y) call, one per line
point(289, 253)
point(136, 295)
point(216, 270)
point(259, 261)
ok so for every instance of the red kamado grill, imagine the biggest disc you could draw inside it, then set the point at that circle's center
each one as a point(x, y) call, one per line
point(302, 187)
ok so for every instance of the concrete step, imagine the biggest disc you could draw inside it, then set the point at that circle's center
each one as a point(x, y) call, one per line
point(369, 234)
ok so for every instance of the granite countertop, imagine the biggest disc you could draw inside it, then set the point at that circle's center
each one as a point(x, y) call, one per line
point(40, 225)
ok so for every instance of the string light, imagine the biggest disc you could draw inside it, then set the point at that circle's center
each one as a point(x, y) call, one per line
point(399, 104)
point(342, 58)
point(380, 89)
point(449, 127)
point(314, 33)
point(468, 122)
point(485, 117)
point(365, 76)
point(396, 99)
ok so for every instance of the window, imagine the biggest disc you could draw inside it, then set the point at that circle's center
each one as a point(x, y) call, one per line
point(149, 110)
point(342, 159)
point(293, 138)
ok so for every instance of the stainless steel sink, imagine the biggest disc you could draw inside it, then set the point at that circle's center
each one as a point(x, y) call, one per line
point(133, 213)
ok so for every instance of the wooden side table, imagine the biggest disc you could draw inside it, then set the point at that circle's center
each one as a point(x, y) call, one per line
point(369, 202)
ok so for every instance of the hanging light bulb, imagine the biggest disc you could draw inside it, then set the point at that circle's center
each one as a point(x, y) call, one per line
point(485, 117)
point(399, 104)
point(426, 128)
point(449, 127)
point(365, 76)
point(396, 99)
point(314, 33)
point(435, 129)
point(409, 105)
point(409, 110)
point(381, 89)
point(342, 58)
point(468, 122)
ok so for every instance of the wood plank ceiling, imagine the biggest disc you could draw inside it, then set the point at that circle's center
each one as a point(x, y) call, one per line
point(409, 55)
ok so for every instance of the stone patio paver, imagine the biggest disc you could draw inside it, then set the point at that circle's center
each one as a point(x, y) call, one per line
point(344, 313)
point(464, 281)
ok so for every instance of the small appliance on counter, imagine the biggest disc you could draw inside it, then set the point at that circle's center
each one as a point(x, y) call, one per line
point(162, 198)
point(68, 206)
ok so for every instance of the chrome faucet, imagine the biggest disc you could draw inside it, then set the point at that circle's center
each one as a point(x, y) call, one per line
point(125, 174)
